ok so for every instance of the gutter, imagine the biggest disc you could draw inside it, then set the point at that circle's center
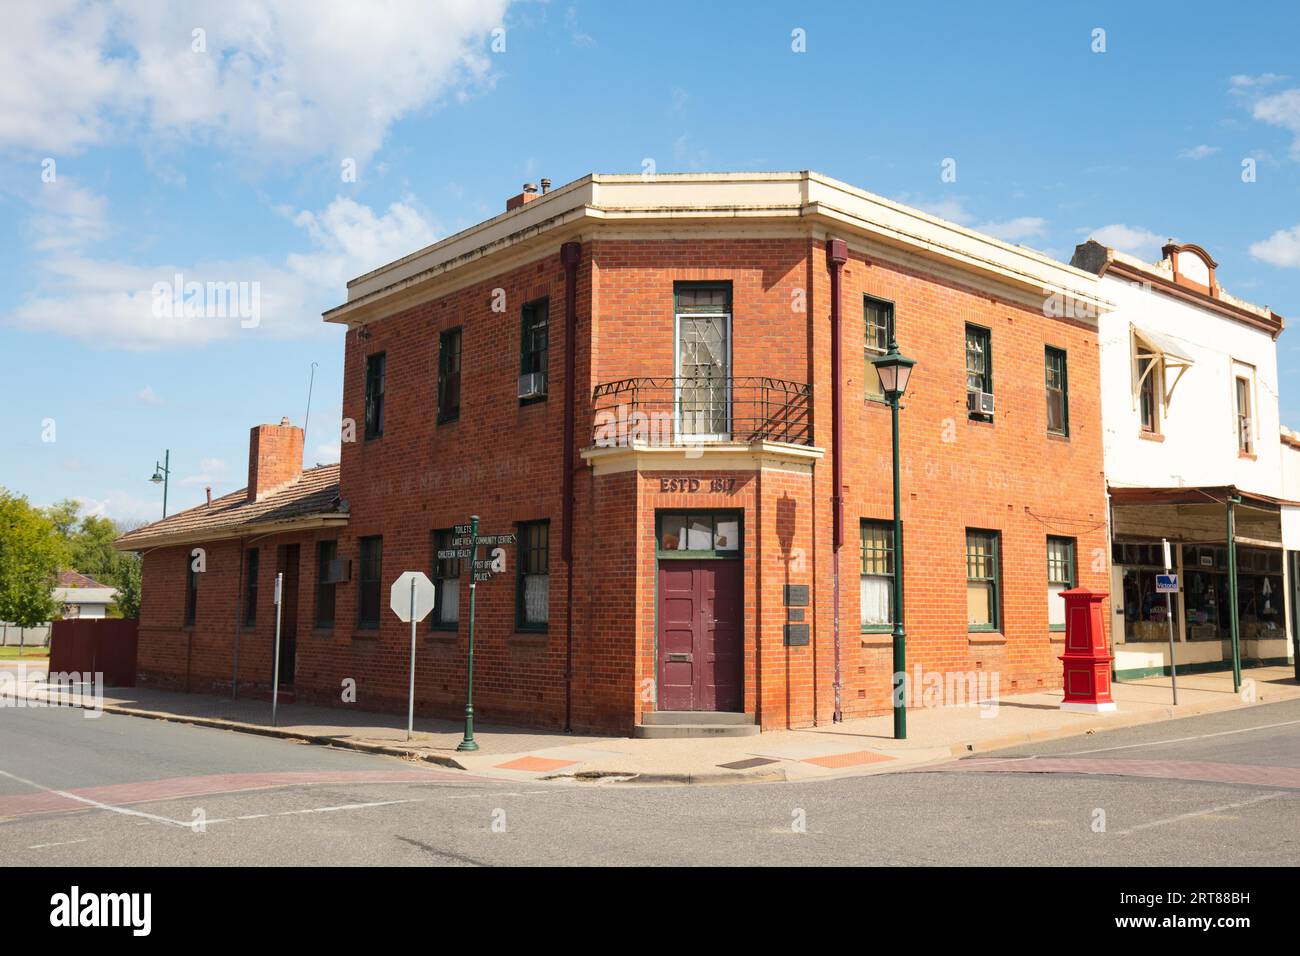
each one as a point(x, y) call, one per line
point(837, 253)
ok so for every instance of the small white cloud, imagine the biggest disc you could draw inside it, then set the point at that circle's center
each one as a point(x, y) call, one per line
point(953, 210)
point(67, 216)
point(351, 240)
point(124, 508)
point(1198, 152)
point(327, 453)
point(1015, 230)
point(1281, 109)
point(1281, 249)
point(211, 470)
point(1244, 83)
point(147, 396)
point(1131, 239)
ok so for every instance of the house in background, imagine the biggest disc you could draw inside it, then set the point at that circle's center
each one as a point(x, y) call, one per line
point(1189, 404)
point(81, 596)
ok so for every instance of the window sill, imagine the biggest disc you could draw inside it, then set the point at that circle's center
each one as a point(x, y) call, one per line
point(877, 639)
point(1057, 436)
point(365, 636)
point(986, 637)
point(1151, 436)
point(442, 637)
point(1248, 455)
point(986, 422)
point(322, 632)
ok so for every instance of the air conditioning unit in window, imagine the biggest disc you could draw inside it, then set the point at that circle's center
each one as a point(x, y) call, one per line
point(980, 403)
point(532, 385)
point(338, 571)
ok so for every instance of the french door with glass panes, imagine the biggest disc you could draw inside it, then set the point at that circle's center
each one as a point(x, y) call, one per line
point(702, 399)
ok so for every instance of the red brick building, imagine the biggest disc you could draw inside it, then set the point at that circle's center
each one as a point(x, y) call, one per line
point(636, 376)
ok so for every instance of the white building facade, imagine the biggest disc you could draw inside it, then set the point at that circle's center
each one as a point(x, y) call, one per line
point(1189, 409)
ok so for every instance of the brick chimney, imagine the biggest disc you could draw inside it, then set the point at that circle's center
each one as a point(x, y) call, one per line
point(528, 195)
point(274, 457)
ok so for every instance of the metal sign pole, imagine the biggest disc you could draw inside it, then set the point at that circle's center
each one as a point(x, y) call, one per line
point(275, 679)
point(410, 710)
point(469, 743)
point(1169, 613)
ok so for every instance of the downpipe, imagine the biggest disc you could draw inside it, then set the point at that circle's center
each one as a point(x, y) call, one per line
point(837, 253)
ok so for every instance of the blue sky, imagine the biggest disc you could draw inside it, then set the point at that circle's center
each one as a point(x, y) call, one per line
point(221, 155)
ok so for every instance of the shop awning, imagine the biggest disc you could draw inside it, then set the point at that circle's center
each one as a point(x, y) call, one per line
point(1191, 495)
point(1164, 350)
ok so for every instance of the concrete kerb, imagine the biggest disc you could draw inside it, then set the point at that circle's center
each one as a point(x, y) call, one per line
point(320, 740)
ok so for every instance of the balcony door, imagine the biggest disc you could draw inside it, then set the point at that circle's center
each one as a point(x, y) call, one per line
point(702, 376)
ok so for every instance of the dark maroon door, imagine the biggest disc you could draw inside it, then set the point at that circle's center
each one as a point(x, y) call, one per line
point(701, 658)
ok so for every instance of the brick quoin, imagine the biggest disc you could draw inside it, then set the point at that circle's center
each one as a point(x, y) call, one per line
point(504, 461)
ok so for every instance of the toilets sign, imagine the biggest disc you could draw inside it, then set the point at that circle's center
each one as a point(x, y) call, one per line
point(464, 546)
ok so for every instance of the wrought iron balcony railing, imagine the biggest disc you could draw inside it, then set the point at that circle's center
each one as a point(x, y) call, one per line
point(702, 410)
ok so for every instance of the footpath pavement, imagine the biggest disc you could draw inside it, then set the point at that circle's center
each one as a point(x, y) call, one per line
point(854, 747)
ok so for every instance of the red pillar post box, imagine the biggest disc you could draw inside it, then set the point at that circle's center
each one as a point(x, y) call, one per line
point(1086, 660)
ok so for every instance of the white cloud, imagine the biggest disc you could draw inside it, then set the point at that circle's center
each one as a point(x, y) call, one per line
point(1198, 152)
point(351, 240)
point(123, 507)
point(147, 396)
point(292, 79)
point(66, 215)
point(210, 470)
point(112, 304)
point(1280, 249)
point(1282, 109)
point(954, 210)
point(1242, 83)
point(1131, 239)
point(1015, 230)
point(327, 453)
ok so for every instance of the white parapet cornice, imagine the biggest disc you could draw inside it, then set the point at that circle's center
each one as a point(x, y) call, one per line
point(784, 203)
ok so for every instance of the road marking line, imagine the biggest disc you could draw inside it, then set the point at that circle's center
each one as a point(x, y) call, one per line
point(1201, 813)
point(290, 813)
point(95, 803)
point(1178, 740)
point(42, 846)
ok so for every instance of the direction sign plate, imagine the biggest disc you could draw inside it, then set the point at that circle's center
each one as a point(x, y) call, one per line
point(1166, 584)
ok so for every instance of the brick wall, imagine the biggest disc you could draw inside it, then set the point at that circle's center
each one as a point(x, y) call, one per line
point(503, 461)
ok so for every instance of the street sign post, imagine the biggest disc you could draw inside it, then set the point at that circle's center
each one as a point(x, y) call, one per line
point(275, 670)
point(468, 742)
point(1167, 584)
point(464, 547)
point(412, 598)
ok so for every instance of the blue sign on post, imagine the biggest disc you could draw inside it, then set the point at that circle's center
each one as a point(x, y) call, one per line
point(1166, 584)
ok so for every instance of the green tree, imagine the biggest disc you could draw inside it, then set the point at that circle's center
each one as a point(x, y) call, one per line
point(30, 555)
point(87, 546)
point(127, 582)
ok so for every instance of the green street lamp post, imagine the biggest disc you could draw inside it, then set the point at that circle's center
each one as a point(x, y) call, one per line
point(161, 474)
point(894, 370)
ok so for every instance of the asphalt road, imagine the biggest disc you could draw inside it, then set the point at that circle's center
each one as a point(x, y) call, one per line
point(1222, 789)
